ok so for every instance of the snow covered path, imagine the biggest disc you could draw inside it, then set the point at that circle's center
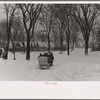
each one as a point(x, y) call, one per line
point(76, 67)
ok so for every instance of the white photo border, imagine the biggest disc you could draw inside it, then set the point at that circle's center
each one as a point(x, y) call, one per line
point(41, 90)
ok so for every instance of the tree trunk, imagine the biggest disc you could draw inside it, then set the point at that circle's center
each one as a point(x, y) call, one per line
point(6, 55)
point(68, 43)
point(8, 36)
point(28, 47)
point(86, 47)
point(48, 43)
point(68, 47)
point(61, 40)
point(7, 48)
point(7, 45)
point(73, 45)
point(14, 50)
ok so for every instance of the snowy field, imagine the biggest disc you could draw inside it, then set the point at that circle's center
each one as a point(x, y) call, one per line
point(76, 67)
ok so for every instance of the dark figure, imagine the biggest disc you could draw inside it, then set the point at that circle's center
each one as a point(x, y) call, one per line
point(45, 54)
point(51, 56)
point(50, 59)
point(40, 55)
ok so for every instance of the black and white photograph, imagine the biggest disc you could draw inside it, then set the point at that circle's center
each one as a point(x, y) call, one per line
point(49, 42)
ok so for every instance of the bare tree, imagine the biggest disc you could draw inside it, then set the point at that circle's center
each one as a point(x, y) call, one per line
point(59, 32)
point(30, 13)
point(10, 10)
point(17, 32)
point(46, 21)
point(55, 36)
point(74, 34)
point(63, 12)
point(85, 15)
point(3, 30)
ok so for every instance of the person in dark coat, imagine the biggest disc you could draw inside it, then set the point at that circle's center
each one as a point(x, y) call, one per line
point(45, 54)
point(40, 55)
point(51, 58)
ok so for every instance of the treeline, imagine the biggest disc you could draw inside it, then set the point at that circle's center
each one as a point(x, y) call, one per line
point(50, 23)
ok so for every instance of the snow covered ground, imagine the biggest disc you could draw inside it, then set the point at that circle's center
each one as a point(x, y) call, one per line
point(76, 67)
